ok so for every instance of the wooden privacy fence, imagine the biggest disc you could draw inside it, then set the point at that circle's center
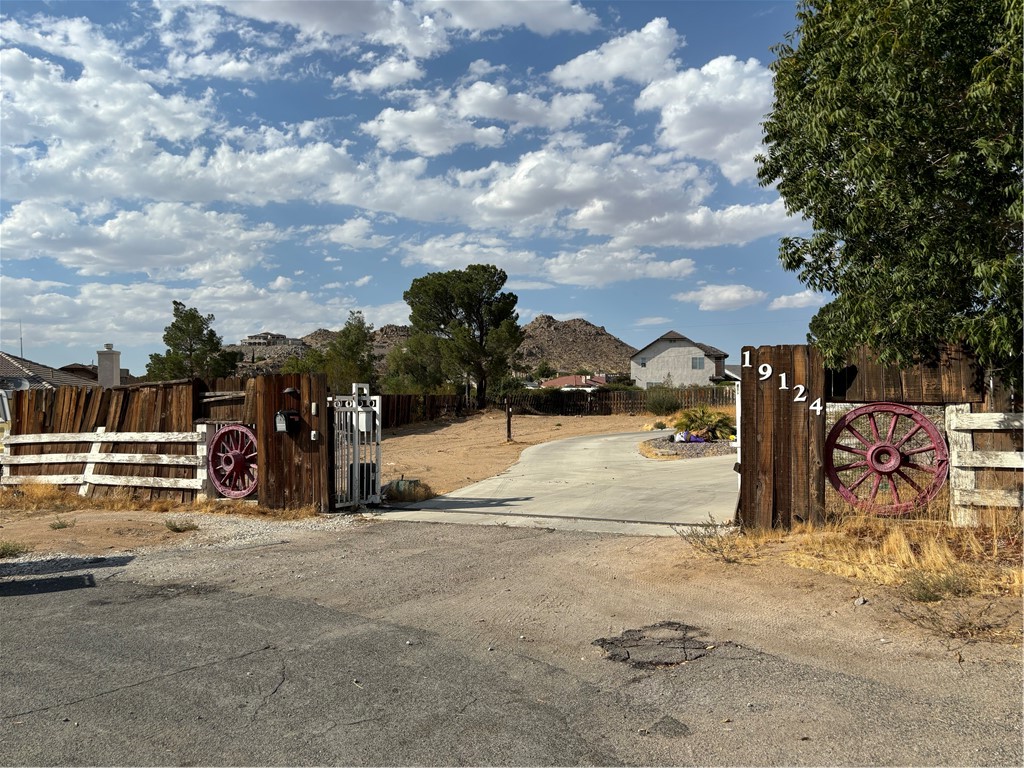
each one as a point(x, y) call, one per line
point(564, 402)
point(102, 465)
point(148, 421)
point(787, 397)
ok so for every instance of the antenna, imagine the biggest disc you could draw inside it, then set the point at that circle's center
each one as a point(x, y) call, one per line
point(21, 341)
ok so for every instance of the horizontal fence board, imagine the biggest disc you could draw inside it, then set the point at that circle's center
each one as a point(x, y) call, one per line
point(988, 498)
point(986, 421)
point(119, 480)
point(104, 437)
point(995, 459)
point(103, 458)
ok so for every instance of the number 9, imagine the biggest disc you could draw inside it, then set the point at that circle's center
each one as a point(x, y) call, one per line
point(764, 371)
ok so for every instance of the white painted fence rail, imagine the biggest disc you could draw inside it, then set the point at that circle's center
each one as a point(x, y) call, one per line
point(961, 425)
point(88, 477)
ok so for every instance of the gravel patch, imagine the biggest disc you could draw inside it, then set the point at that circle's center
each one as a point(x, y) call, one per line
point(663, 446)
point(217, 532)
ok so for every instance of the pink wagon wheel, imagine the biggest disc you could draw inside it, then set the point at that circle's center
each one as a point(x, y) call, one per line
point(887, 458)
point(232, 461)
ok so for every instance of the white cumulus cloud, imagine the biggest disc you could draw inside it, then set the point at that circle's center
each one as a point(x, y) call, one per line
point(800, 300)
point(716, 297)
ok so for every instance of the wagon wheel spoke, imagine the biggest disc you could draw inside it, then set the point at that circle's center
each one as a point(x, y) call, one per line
point(893, 489)
point(848, 449)
point(874, 428)
point(922, 449)
point(859, 480)
point(909, 480)
point(921, 467)
point(892, 428)
point(854, 465)
point(850, 428)
point(874, 487)
point(917, 428)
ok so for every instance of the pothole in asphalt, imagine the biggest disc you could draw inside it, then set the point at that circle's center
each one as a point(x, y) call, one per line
point(661, 645)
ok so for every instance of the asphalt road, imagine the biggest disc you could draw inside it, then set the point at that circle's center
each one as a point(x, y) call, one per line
point(592, 483)
point(410, 644)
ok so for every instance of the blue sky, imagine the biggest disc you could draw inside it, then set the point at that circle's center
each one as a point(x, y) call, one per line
point(280, 163)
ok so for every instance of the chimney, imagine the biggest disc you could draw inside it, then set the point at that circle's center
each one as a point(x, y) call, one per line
point(108, 366)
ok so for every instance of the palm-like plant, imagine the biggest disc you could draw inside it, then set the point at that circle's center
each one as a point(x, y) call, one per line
point(704, 422)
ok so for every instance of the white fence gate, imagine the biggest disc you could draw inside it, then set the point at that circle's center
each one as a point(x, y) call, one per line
point(356, 448)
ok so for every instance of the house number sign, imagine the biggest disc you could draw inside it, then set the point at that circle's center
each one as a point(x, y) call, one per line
point(765, 372)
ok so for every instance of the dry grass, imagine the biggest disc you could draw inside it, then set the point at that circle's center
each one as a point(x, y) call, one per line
point(926, 557)
point(407, 490)
point(32, 499)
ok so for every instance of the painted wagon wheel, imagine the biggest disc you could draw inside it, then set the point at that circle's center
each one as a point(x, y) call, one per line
point(887, 458)
point(232, 461)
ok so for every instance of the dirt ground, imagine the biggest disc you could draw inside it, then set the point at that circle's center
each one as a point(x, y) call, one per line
point(446, 455)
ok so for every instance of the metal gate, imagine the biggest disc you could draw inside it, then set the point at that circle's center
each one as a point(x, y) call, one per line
point(356, 448)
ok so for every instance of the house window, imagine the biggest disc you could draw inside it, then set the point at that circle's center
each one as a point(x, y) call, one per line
point(643, 362)
point(697, 363)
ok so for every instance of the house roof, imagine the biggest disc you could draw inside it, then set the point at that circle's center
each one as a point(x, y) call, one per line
point(574, 381)
point(707, 349)
point(733, 372)
point(38, 376)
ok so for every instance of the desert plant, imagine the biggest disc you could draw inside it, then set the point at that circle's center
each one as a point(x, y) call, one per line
point(659, 425)
point(61, 522)
point(12, 548)
point(180, 526)
point(711, 539)
point(705, 422)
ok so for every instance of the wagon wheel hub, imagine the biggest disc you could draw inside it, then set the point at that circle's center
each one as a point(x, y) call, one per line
point(886, 458)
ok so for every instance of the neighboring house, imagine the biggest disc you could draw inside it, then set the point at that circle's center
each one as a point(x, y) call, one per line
point(733, 373)
point(19, 373)
point(676, 361)
point(267, 339)
point(586, 383)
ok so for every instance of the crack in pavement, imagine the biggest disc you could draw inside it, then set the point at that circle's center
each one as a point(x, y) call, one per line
point(148, 680)
point(266, 699)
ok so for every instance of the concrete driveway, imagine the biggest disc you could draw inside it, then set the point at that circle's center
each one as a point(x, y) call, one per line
point(592, 483)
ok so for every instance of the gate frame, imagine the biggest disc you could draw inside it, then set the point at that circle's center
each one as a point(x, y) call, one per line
point(355, 440)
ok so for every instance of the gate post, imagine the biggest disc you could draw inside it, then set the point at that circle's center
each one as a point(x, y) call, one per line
point(782, 412)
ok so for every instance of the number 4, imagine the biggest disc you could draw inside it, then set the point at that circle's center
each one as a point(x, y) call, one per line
point(816, 406)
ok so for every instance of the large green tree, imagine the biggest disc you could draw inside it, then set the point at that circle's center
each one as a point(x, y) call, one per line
point(194, 350)
point(417, 367)
point(896, 132)
point(475, 321)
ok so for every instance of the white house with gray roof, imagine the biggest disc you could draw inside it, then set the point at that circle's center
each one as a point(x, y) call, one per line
point(676, 361)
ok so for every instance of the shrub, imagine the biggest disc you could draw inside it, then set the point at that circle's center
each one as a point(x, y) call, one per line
point(704, 421)
point(180, 526)
point(662, 402)
point(12, 548)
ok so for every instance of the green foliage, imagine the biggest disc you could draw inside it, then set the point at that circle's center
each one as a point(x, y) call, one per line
point(61, 522)
point(705, 421)
point(313, 361)
point(194, 350)
point(507, 385)
point(662, 402)
point(659, 425)
point(544, 371)
point(416, 368)
point(476, 323)
point(896, 131)
point(349, 357)
point(347, 360)
point(582, 372)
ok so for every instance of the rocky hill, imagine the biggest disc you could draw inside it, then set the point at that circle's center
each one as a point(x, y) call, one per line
point(567, 346)
point(572, 345)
